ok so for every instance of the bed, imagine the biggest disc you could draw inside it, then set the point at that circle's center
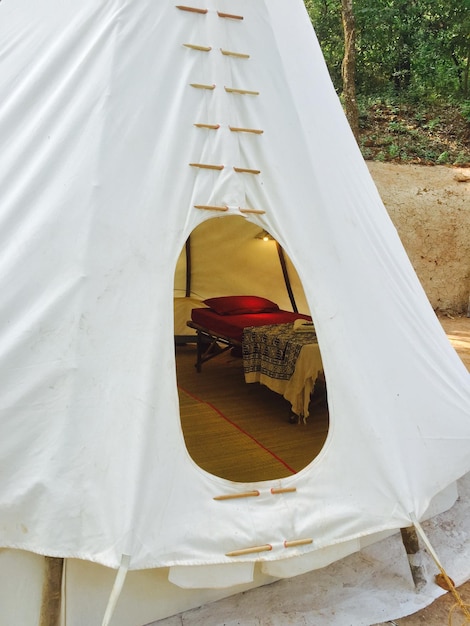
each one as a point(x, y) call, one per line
point(285, 359)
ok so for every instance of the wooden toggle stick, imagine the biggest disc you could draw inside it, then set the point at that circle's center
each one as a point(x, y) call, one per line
point(243, 92)
point(200, 86)
point(240, 55)
point(211, 126)
point(242, 494)
point(297, 542)
point(229, 15)
point(257, 211)
point(266, 548)
point(276, 490)
point(194, 47)
point(236, 129)
point(191, 9)
point(207, 166)
point(208, 207)
point(245, 170)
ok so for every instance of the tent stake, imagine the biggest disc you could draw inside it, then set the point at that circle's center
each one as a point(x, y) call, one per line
point(51, 591)
point(411, 543)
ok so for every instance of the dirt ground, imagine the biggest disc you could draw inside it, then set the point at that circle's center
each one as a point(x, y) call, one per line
point(457, 329)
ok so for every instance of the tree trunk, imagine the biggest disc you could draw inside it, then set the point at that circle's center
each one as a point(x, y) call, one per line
point(349, 66)
point(466, 91)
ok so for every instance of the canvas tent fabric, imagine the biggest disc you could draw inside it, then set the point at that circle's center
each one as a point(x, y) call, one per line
point(97, 125)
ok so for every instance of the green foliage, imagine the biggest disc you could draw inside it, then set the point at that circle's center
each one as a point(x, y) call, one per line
point(412, 75)
point(425, 133)
point(326, 18)
point(462, 159)
point(419, 49)
point(443, 158)
point(465, 110)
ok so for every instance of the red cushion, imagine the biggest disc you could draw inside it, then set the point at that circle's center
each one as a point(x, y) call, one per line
point(239, 305)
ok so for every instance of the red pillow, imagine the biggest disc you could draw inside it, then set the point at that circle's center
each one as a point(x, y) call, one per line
point(240, 305)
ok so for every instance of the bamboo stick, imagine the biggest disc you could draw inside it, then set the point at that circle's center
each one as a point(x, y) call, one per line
point(207, 166)
point(201, 86)
point(191, 9)
point(243, 92)
point(265, 548)
point(237, 129)
point(243, 494)
point(229, 15)
point(209, 207)
point(200, 48)
point(297, 542)
point(211, 126)
point(277, 490)
point(245, 170)
point(229, 53)
point(257, 211)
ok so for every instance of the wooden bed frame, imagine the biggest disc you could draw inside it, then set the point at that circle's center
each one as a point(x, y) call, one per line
point(222, 325)
point(207, 343)
point(214, 328)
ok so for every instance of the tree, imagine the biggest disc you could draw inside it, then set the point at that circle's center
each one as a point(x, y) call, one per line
point(335, 27)
point(349, 66)
point(416, 49)
point(326, 19)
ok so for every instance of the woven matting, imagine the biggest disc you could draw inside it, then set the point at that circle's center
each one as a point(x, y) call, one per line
point(242, 432)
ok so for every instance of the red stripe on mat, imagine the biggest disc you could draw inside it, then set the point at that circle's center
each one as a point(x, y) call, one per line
point(227, 419)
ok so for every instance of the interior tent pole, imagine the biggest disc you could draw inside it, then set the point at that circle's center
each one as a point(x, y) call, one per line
point(285, 273)
point(51, 591)
point(188, 267)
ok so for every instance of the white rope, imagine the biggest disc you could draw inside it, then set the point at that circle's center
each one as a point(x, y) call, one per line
point(117, 588)
point(451, 587)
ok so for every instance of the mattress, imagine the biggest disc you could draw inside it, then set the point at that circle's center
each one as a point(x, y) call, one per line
point(232, 326)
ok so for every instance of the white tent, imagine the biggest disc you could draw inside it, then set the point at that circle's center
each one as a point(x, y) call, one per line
point(104, 106)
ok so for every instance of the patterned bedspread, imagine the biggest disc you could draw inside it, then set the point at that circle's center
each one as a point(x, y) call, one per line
point(274, 350)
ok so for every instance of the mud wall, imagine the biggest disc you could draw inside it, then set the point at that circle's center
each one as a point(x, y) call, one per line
point(430, 208)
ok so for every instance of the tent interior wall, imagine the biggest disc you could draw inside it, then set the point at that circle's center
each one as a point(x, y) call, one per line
point(227, 258)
